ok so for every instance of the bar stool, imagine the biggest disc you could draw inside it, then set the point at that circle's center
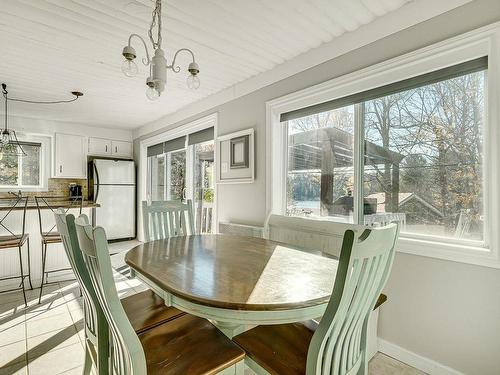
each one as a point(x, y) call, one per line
point(51, 236)
point(9, 239)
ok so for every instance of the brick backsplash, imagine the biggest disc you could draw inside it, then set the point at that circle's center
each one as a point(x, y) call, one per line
point(57, 187)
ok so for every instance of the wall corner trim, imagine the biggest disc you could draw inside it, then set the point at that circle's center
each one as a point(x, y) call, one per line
point(421, 363)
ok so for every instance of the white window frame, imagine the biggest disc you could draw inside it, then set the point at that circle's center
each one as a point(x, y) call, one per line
point(45, 155)
point(179, 131)
point(481, 42)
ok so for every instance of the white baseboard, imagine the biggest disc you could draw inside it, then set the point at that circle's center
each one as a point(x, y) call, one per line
point(424, 364)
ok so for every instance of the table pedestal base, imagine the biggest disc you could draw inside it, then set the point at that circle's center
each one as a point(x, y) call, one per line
point(229, 329)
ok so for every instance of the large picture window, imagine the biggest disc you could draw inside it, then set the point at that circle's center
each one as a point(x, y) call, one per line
point(430, 174)
point(416, 145)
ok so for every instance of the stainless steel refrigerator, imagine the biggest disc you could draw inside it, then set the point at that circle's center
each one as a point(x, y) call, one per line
point(112, 186)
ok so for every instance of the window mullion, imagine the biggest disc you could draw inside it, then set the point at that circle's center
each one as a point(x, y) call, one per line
point(358, 156)
point(190, 172)
point(165, 177)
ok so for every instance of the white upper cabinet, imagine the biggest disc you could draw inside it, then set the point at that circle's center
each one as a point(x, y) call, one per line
point(99, 146)
point(70, 156)
point(121, 149)
point(110, 148)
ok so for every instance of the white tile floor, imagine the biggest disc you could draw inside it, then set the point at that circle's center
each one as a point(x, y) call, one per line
point(48, 338)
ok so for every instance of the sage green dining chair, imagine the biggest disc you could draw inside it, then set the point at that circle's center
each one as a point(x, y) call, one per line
point(337, 345)
point(185, 345)
point(164, 219)
point(96, 327)
point(144, 310)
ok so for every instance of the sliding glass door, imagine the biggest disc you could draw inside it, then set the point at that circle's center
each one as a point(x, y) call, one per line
point(182, 169)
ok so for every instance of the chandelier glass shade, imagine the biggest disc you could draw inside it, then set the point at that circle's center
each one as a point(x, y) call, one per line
point(158, 66)
point(129, 68)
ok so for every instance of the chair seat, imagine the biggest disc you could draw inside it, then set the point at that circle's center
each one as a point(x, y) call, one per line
point(51, 237)
point(279, 349)
point(188, 345)
point(146, 310)
point(12, 241)
point(282, 349)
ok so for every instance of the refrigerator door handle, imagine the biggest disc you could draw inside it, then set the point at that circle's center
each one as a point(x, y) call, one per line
point(97, 183)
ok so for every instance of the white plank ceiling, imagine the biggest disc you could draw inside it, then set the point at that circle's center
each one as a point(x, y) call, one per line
point(52, 47)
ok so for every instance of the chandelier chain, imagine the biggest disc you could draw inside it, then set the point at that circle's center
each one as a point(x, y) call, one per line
point(156, 21)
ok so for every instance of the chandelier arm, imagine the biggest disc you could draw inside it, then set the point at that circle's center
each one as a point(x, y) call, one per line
point(155, 15)
point(177, 68)
point(146, 61)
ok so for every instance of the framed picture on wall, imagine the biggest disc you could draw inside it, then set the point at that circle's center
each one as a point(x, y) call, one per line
point(236, 157)
point(239, 152)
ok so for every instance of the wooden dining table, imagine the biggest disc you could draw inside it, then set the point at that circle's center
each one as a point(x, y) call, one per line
point(236, 281)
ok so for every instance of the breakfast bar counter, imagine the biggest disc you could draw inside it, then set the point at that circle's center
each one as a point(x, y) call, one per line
point(56, 257)
point(64, 204)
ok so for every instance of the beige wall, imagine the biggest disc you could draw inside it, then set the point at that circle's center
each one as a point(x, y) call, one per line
point(446, 311)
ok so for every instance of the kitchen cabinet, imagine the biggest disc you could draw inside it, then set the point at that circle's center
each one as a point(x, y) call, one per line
point(99, 146)
point(109, 148)
point(121, 149)
point(70, 156)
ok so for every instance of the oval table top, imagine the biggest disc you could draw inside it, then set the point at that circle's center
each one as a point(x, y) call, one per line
point(236, 272)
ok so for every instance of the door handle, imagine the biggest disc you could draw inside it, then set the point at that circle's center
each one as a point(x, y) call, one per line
point(60, 168)
point(97, 181)
point(106, 148)
point(116, 149)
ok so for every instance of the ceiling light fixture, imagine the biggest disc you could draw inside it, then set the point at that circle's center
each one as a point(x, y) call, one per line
point(157, 64)
point(8, 137)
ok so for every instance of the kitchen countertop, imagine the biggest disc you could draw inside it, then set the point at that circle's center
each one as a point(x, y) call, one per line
point(4, 206)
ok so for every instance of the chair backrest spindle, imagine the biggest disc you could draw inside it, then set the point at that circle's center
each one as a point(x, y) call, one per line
point(127, 355)
point(96, 326)
point(164, 219)
point(339, 343)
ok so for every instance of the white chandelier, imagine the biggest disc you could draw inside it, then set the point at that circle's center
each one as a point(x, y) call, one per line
point(158, 64)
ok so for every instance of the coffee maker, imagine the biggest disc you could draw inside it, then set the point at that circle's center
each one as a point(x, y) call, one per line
point(75, 190)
